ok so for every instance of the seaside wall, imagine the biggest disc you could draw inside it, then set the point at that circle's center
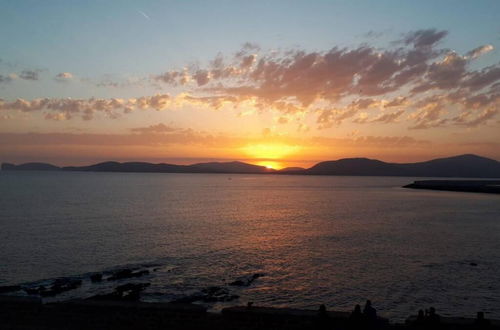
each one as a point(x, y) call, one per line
point(30, 313)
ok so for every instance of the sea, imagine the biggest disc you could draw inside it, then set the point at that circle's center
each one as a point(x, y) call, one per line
point(333, 240)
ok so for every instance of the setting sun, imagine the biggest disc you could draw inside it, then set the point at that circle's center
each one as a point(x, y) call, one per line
point(272, 165)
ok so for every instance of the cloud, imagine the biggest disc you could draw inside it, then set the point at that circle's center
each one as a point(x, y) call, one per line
point(424, 38)
point(5, 78)
point(425, 84)
point(65, 109)
point(385, 118)
point(477, 52)
point(29, 74)
point(473, 120)
point(202, 77)
point(157, 128)
point(63, 76)
point(144, 15)
point(483, 78)
point(32, 75)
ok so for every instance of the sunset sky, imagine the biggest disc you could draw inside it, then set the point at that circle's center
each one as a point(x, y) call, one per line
point(276, 83)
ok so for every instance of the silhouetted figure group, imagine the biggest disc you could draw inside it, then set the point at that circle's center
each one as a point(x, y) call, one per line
point(429, 319)
point(366, 319)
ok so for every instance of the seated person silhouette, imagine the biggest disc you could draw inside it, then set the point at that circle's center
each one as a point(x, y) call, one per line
point(433, 318)
point(370, 312)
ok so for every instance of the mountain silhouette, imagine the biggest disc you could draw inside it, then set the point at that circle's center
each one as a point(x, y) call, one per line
point(457, 166)
point(228, 167)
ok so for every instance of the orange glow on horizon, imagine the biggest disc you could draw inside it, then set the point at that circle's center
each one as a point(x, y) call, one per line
point(270, 151)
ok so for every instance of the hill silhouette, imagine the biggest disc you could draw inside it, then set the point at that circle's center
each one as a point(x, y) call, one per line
point(457, 166)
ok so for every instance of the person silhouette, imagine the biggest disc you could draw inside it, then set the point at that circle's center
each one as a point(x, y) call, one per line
point(433, 317)
point(322, 311)
point(322, 321)
point(370, 312)
point(480, 322)
point(420, 317)
point(356, 319)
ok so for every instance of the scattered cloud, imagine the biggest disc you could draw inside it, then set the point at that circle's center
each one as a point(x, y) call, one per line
point(29, 74)
point(414, 80)
point(67, 108)
point(5, 78)
point(157, 128)
point(476, 52)
point(63, 76)
point(322, 83)
point(144, 15)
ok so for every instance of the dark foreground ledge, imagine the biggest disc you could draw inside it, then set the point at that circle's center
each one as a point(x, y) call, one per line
point(30, 313)
point(482, 186)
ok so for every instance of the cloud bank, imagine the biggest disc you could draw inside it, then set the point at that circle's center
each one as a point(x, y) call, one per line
point(414, 81)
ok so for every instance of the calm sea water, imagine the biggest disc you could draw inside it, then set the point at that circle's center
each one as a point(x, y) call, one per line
point(331, 240)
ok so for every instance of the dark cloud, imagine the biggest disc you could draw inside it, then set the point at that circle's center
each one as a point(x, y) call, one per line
point(29, 74)
point(5, 79)
point(424, 38)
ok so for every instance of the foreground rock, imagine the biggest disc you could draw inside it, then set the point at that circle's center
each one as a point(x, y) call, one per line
point(96, 277)
point(210, 294)
point(9, 288)
point(126, 292)
point(247, 280)
point(58, 286)
point(127, 273)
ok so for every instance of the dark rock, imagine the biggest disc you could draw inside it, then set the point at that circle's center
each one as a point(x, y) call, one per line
point(9, 288)
point(127, 273)
point(131, 291)
point(35, 291)
point(473, 264)
point(246, 281)
point(60, 285)
point(126, 292)
point(210, 294)
point(121, 274)
point(96, 278)
point(216, 293)
point(189, 299)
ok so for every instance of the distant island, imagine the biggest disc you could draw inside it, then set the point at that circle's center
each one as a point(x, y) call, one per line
point(464, 166)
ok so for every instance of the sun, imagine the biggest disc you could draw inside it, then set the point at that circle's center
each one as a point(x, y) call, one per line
point(271, 165)
point(270, 155)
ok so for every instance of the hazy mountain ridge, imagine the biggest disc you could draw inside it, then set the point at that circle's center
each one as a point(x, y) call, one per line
point(457, 166)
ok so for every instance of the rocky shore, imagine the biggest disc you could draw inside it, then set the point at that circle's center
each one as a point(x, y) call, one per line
point(112, 300)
